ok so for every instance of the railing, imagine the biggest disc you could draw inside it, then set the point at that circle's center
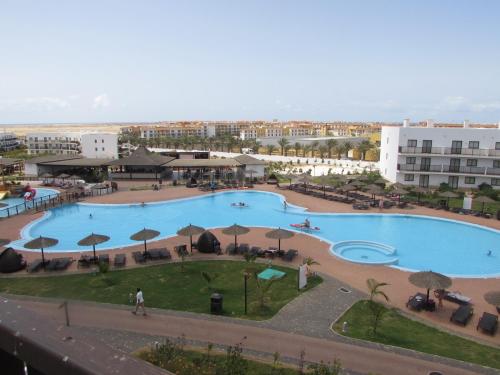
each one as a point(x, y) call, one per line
point(421, 150)
point(420, 168)
point(468, 170)
point(493, 171)
point(449, 169)
point(466, 151)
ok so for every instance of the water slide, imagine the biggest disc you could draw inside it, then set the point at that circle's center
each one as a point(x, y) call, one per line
point(3, 194)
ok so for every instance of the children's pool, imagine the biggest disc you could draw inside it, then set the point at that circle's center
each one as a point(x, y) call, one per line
point(420, 243)
point(13, 201)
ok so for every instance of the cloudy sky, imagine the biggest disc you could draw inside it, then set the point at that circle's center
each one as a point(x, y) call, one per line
point(96, 61)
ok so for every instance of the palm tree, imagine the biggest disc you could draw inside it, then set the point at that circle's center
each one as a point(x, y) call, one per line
point(297, 146)
point(374, 289)
point(322, 151)
point(287, 148)
point(270, 149)
point(347, 146)
point(263, 289)
point(309, 262)
point(256, 146)
point(305, 150)
point(331, 144)
point(338, 150)
point(314, 146)
point(283, 142)
point(363, 147)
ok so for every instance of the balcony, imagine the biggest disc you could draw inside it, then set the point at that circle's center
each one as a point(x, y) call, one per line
point(420, 150)
point(467, 151)
point(449, 169)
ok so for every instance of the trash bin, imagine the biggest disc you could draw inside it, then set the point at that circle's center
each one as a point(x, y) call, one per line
point(216, 303)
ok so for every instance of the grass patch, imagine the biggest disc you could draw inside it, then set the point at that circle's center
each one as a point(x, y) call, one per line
point(167, 287)
point(197, 362)
point(399, 331)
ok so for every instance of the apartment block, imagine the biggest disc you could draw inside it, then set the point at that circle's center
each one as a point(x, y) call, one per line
point(8, 142)
point(463, 157)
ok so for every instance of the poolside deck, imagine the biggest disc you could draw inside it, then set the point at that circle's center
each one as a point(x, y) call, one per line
point(352, 274)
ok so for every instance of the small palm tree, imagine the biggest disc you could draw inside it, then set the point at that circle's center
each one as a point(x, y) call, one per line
point(209, 278)
point(283, 142)
point(297, 147)
point(374, 289)
point(270, 149)
point(331, 144)
point(376, 309)
point(347, 147)
point(309, 262)
point(314, 147)
point(263, 288)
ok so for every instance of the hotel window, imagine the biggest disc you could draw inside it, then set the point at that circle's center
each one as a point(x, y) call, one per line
point(496, 163)
point(411, 160)
point(495, 182)
point(470, 180)
point(95, 140)
point(96, 148)
point(412, 143)
point(497, 146)
point(409, 177)
point(453, 181)
point(472, 162)
point(423, 180)
point(474, 144)
point(103, 148)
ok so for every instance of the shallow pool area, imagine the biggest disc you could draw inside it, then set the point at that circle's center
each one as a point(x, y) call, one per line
point(365, 252)
point(17, 204)
point(422, 243)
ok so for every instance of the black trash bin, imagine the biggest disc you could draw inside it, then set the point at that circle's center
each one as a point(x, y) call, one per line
point(216, 303)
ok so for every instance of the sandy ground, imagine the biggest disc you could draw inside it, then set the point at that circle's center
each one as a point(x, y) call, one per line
point(354, 275)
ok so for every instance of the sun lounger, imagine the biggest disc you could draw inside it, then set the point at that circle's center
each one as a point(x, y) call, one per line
point(231, 249)
point(290, 255)
point(462, 314)
point(165, 254)
point(457, 297)
point(84, 261)
point(120, 260)
point(416, 302)
point(62, 263)
point(104, 258)
point(243, 248)
point(154, 254)
point(488, 323)
point(51, 265)
point(35, 265)
point(138, 257)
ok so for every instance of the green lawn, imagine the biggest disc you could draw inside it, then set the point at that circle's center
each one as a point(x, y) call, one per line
point(397, 330)
point(168, 287)
point(195, 362)
point(491, 208)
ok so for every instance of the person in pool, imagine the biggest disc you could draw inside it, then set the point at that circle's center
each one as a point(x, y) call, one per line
point(489, 253)
point(285, 205)
point(307, 223)
point(90, 216)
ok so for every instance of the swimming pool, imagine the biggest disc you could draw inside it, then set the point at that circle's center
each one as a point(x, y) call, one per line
point(41, 195)
point(421, 243)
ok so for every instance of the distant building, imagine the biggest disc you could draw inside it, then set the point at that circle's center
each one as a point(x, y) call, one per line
point(8, 142)
point(100, 145)
point(463, 157)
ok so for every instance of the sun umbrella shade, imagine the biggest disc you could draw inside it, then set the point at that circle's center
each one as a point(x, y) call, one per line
point(348, 187)
point(483, 199)
point(421, 190)
point(63, 175)
point(363, 178)
point(430, 280)
point(190, 230)
point(41, 243)
point(375, 191)
point(280, 234)
point(235, 230)
point(144, 235)
point(46, 175)
point(75, 177)
point(357, 183)
point(93, 239)
point(400, 191)
point(448, 194)
point(493, 298)
point(305, 178)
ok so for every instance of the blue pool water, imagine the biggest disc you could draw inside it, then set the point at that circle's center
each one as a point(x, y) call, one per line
point(421, 243)
point(11, 202)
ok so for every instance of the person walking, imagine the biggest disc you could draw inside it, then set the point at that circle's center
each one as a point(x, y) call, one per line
point(139, 302)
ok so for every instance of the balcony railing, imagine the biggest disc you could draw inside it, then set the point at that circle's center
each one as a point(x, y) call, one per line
point(466, 151)
point(420, 150)
point(441, 168)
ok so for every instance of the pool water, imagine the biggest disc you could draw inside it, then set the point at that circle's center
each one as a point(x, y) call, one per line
point(422, 243)
point(14, 201)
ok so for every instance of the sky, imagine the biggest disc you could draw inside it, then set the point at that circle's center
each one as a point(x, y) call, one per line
point(141, 61)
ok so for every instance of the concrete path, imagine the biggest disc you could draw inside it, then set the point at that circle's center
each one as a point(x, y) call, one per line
point(361, 359)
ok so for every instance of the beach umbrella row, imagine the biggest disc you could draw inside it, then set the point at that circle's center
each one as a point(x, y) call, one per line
point(190, 231)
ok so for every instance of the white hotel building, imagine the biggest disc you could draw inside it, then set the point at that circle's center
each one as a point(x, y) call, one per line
point(463, 157)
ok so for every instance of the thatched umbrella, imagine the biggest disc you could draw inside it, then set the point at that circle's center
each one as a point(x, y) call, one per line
point(92, 240)
point(75, 177)
point(347, 188)
point(279, 234)
point(144, 235)
point(483, 199)
point(399, 191)
point(420, 190)
point(190, 231)
point(46, 175)
point(324, 181)
point(448, 195)
point(235, 230)
point(430, 280)
point(374, 190)
point(4, 241)
point(63, 176)
point(363, 178)
point(41, 243)
point(380, 181)
point(493, 298)
point(357, 183)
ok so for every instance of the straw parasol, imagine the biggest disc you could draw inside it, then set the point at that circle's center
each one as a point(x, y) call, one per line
point(4, 241)
point(347, 188)
point(190, 231)
point(483, 199)
point(235, 230)
point(279, 234)
point(357, 183)
point(399, 191)
point(144, 235)
point(41, 243)
point(63, 176)
point(493, 298)
point(324, 181)
point(374, 190)
point(363, 178)
point(380, 181)
point(420, 190)
point(92, 240)
point(75, 177)
point(448, 195)
point(46, 175)
point(430, 280)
